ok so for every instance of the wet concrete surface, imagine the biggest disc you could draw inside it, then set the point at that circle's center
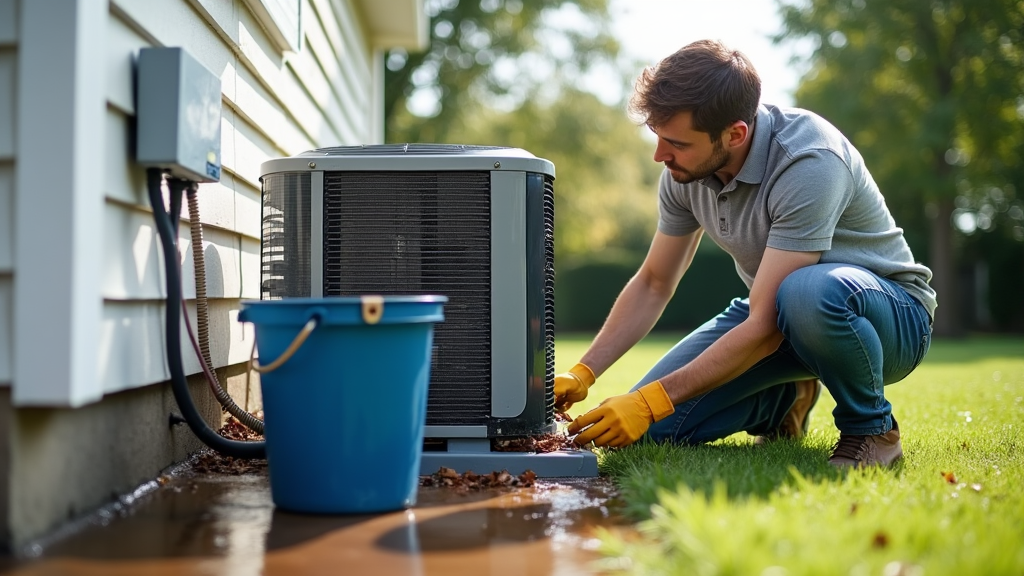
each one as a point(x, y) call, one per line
point(212, 523)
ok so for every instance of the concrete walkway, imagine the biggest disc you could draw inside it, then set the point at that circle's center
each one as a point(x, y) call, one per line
point(213, 523)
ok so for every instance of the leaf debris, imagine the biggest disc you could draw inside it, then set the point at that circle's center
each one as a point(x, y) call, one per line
point(447, 477)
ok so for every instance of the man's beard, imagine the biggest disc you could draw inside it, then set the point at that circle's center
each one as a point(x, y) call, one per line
point(719, 158)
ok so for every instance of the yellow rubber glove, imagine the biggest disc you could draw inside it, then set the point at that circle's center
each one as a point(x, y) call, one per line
point(572, 386)
point(621, 420)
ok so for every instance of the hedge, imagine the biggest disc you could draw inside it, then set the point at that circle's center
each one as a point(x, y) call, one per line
point(586, 288)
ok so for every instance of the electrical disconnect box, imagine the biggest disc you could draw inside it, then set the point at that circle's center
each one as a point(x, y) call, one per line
point(177, 102)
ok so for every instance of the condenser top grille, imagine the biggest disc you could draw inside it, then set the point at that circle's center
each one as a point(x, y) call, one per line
point(390, 149)
point(412, 158)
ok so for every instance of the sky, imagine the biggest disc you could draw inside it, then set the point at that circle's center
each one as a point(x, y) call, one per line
point(652, 29)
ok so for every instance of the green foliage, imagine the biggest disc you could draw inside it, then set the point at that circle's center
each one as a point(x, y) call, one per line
point(482, 50)
point(504, 72)
point(930, 93)
point(952, 506)
point(586, 288)
point(606, 181)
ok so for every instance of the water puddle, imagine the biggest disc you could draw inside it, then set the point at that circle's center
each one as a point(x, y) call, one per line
point(214, 523)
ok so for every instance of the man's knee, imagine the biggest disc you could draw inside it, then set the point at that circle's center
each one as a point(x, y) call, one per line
point(809, 296)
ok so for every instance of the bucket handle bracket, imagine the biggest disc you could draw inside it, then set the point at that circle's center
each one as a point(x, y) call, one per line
point(373, 308)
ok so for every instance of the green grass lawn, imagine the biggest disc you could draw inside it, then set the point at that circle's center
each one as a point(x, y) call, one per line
point(954, 505)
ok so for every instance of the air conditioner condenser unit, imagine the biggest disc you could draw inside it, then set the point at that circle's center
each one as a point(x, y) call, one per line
point(474, 223)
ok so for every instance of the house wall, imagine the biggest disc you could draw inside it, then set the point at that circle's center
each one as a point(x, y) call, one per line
point(273, 105)
point(8, 60)
point(109, 432)
point(67, 461)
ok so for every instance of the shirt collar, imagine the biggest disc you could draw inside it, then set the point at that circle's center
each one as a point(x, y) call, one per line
point(754, 166)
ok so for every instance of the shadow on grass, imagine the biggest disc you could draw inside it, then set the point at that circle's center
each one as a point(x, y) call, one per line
point(744, 470)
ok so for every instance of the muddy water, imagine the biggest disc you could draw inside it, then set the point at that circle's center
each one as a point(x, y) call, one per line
point(218, 524)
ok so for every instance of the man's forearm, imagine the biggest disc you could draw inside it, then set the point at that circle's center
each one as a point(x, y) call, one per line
point(733, 354)
point(635, 312)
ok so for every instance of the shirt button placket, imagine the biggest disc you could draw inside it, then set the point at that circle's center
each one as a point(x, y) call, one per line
point(723, 214)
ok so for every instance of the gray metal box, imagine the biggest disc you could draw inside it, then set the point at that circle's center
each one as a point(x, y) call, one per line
point(178, 102)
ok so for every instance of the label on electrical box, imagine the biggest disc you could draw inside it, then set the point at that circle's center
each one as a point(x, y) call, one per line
point(212, 166)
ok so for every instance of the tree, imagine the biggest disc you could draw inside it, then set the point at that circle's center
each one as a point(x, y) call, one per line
point(496, 51)
point(930, 92)
point(606, 180)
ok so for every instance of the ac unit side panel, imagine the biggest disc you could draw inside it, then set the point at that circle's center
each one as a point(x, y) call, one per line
point(537, 415)
point(508, 294)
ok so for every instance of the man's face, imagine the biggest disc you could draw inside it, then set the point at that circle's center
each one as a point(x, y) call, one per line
point(689, 154)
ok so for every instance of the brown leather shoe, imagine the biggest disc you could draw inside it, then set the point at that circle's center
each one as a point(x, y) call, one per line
point(855, 451)
point(794, 424)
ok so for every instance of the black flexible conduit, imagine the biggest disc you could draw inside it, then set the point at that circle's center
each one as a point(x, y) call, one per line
point(179, 385)
point(203, 316)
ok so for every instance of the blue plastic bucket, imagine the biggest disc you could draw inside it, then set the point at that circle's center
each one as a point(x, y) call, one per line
point(344, 415)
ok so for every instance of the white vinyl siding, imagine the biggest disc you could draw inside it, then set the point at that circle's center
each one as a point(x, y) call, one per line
point(8, 59)
point(6, 267)
point(74, 209)
point(6, 316)
point(132, 353)
point(6, 212)
point(8, 73)
point(282, 19)
point(274, 104)
point(58, 203)
point(8, 19)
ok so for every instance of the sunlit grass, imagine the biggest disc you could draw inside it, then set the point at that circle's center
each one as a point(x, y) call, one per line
point(954, 505)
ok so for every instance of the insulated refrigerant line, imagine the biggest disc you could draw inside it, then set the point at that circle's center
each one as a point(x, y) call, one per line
point(203, 315)
point(165, 229)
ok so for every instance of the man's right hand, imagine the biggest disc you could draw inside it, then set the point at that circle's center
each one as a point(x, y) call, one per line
point(572, 386)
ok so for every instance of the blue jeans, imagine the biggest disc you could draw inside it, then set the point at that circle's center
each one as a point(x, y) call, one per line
point(853, 330)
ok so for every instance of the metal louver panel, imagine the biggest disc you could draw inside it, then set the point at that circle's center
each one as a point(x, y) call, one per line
point(394, 149)
point(421, 233)
point(284, 254)
point(549, 296)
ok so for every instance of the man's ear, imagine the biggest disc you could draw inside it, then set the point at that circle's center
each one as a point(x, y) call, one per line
point(736, 134)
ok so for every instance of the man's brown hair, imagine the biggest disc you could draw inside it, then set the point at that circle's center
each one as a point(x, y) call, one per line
point(717, 85)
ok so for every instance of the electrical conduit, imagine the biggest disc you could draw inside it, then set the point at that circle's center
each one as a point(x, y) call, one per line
point(179, 385)
point(203, 317)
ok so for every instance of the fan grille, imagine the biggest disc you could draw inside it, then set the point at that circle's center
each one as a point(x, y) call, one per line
point(285, 255)
point(549, 297)
point(421, 233)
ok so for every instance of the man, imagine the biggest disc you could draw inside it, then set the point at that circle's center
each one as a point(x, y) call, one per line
point(835, 293)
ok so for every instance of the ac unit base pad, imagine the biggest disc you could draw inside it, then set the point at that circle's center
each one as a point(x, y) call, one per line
point(558, 464)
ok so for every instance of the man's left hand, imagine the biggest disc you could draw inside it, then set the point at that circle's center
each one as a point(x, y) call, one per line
point(622, 420)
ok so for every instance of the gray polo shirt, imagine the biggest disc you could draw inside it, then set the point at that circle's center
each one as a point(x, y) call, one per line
point(802, 188)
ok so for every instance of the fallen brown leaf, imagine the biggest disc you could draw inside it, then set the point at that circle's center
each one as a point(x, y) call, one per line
point(235, 430)
point(471, 481)
point(541, 443)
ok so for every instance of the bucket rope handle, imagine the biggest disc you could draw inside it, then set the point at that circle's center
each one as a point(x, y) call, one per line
point(288, 353)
